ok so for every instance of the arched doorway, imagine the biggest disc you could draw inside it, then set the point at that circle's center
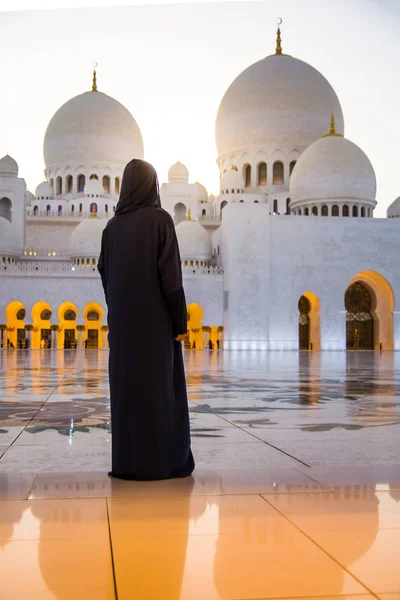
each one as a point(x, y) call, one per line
point(309, 322)
point(41, 325)
point(15, 333)
point(93, 315)
point(195, 327)
point(6, 208)
point(359, 320)
point(376, 304)
point(179, 213)
point(304, 323)
point(67, 314)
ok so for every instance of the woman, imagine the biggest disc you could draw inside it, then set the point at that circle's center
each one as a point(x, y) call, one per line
point(140, 269)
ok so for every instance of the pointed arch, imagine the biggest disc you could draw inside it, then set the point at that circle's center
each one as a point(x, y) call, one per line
point(309, 321)
point(382, 305)
point(15, 323)
point(93, 314)
point(67, 314)
point(41, 324)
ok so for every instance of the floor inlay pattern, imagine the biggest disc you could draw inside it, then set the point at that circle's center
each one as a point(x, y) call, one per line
point(296, 492)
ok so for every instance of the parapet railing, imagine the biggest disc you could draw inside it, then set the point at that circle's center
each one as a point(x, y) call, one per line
point(67, 269)
point(67, 214)
point(188, 270)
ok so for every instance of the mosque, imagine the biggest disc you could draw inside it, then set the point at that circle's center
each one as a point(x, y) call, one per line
point(287, 256)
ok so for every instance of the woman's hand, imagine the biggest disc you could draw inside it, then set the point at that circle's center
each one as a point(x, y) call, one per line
point(181, 337)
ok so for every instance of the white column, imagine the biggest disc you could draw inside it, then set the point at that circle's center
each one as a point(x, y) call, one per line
point(104, 333)
point(81, 336)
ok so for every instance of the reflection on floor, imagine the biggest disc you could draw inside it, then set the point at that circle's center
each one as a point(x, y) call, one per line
point(296, 493)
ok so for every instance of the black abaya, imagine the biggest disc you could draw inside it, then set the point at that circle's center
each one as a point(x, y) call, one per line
point(141, 274)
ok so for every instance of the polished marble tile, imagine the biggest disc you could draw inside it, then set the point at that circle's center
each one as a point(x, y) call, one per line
point(203, 482)
point(201, 435)
point(53, 519)
point(246, 455)
point(253, 563)
point(370, 554)
point(345, 446)
point(344, 597)
point(46, 569)
point(70, 437)
point(350, 509)
point(193, 515)
point(14, 486)
point(298, 403)
point(37, 458)
point(358, 528)
point(374, 476)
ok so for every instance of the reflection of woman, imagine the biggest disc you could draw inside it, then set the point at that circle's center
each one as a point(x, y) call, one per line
point(141, 274)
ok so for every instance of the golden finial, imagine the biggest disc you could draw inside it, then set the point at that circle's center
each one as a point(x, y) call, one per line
point(189, 218)
point(332, 129)
point(278, 49)
point(94, 84)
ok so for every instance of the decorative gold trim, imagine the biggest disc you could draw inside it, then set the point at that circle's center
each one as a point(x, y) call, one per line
point(189, 218)
point(332, 130)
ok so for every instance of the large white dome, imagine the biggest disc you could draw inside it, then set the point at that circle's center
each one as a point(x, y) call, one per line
point(92, 129)
point(86, 238)
point(278, 101)
point(9, 240)
point(194, 241)
point(335, 169)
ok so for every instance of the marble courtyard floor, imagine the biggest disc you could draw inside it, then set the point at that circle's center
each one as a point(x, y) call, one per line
point(296, 493)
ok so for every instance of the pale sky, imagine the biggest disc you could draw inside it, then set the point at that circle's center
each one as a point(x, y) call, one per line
point(170, 65)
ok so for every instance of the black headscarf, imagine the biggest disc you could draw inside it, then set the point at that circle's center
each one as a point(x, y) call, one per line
point(139, 187)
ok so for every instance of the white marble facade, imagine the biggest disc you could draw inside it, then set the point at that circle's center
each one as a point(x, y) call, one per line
point(293, 217)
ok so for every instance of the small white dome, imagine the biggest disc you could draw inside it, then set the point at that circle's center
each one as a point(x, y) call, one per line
point(194, 241)
point(8, 166)
point(44, 191)
point(394, 209)
point(202, 192)
point(178, 173)
point(277, 101)
point(92, 128)
point(86, 238)
point(93, 188)
point(29, 198)
point(9, 240)
point(232, 180)
point(333, 168)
